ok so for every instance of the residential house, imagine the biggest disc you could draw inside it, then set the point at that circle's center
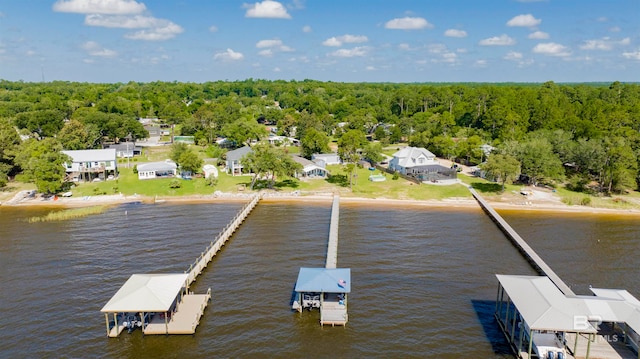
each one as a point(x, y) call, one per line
point(126, 150)
point(411, 160)
point(234, 165)
point(419, 163)
point(283, 140)
point(151, 170)
point(310, 169)
point(325, 159)
point(89, 165)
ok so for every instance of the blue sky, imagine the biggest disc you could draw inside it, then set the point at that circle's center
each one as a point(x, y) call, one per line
point(327, 40)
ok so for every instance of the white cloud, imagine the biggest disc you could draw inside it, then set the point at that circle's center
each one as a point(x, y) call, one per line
point(112, 7)
point(404, 47)
point(526, 20)
point(513, 56)
point(169, 31)
point(455, 33)
point(344, 39)
point(271, 46)
point(480, 63)
point(552, 49)
point(94, 49)
point(267, 9)
point(437, 48)
point(276, 69)
point(461, 50)
point(604, 44)
point(502, 40)
point(370, 68)
point(306, 28)
point(30, 53)
point(213, 28)
point(635, 55)
point(407, 23)
point(615, 29)
point(356, 51)
point(228, 55)
point(124, 22)
point(602, 19)
point(538, 35)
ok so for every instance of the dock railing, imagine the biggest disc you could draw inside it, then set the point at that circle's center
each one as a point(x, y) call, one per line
point(205, 257)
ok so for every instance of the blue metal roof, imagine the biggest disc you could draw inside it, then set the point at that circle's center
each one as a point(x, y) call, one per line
point(327, 280)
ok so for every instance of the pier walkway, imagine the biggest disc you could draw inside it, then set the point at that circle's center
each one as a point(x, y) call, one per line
point(332, 247)
point(529, 254)
point(212, 249)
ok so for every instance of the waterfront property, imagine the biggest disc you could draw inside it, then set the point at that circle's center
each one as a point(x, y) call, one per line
point(325, 289)
point(310, 169)
point(324, 159)
point(538, 319)
point(126, 150)
point(234, 160)
point(155, 303)
point(90, 165)
point(162, 169)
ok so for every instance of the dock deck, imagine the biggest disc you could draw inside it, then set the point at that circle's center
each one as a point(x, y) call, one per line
point(184, 320)
point(603, 347)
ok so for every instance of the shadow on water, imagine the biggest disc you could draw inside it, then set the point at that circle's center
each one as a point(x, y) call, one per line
point(484, 310)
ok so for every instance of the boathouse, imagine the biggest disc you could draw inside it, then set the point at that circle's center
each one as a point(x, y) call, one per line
point(155, 303)
point(325, 289)
point(538, 319)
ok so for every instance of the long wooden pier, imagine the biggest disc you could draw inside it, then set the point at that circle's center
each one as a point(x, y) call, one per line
point(212, 249)
point(527, 252)
point(332, 247)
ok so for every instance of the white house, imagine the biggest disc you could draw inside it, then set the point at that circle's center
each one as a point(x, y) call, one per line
point(410, 159)
point(151, 170)
point(324, 159)
point(310, 169)
point(88, 165)
point(283, 140)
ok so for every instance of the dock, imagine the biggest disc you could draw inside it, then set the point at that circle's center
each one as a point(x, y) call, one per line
point(163, 303)
point(326, 288)
point(332, 247)
point(542, 317)
point(221, 239)
point(529, 254)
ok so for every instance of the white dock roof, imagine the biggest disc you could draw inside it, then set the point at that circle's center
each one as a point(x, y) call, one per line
point(147, 293)
point(544, 307)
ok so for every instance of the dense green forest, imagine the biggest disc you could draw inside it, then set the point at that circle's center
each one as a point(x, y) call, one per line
point(584, 136)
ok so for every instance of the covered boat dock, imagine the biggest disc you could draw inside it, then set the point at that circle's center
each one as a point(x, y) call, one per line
point(326, 289)
point(155, 303)
point(539, 320)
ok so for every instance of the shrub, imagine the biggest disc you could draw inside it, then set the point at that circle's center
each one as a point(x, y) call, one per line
point(135, 169)
point(211, 181)
point(396, 175)
point(175, 184)
point(585, 201)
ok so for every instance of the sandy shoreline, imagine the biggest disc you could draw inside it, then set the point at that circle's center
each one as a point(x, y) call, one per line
point(275, 197)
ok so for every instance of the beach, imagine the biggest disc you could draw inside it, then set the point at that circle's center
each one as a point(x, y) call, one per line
point(536, 201)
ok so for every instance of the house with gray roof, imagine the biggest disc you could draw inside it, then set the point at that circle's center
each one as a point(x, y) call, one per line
point(411, 160)
point(162, 169)
point(234, 158)
point(310, 169)
point(89, 165)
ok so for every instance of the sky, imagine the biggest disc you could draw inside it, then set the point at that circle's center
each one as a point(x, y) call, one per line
point(328, 40)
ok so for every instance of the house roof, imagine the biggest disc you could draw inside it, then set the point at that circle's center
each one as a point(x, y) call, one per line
point(301, 160)
point(146, 293)
point(544, 307)
point(167, 165)
point(238, 153)
point(125, 147)
point(407, 157)
point(107, 154)
point(327, 280)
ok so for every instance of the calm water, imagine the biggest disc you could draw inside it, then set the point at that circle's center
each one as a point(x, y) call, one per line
point(422, 279)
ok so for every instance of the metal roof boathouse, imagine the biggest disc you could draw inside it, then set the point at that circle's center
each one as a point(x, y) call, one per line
point(155, 303)
point(539, 320)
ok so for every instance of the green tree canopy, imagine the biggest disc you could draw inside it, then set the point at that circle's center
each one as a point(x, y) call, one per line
point(314, 141)
point(43, 164)
point(503, 168)
point(267, 161)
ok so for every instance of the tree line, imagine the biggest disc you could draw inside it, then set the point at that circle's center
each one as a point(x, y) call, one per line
point(584, 135)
